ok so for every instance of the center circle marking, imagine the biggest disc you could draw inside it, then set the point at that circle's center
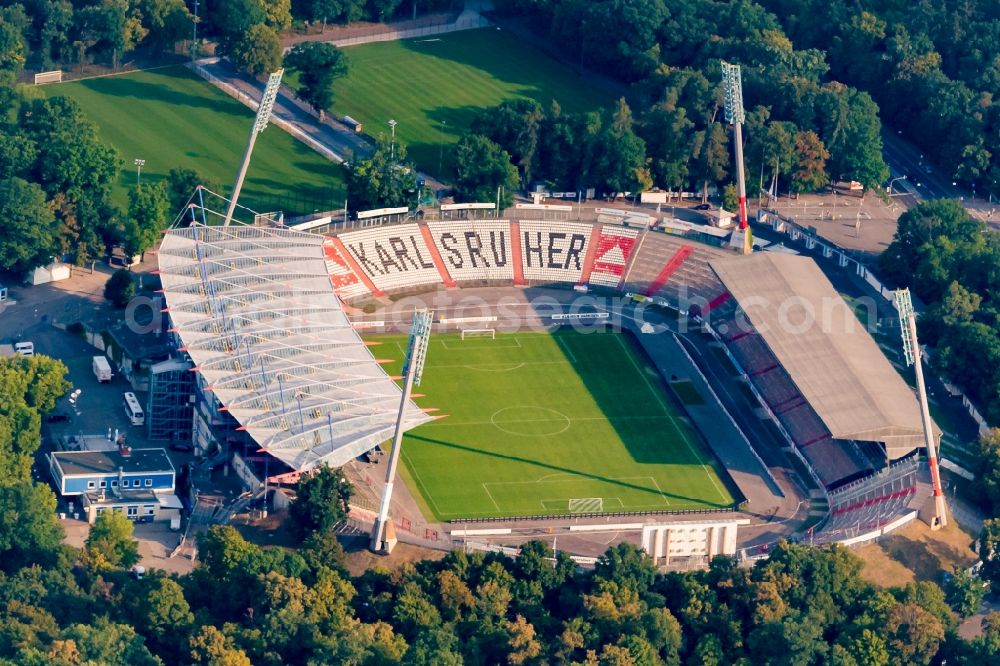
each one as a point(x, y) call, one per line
point(530, 421)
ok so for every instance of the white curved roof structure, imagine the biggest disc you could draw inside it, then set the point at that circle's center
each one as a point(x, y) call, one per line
point(257, 313)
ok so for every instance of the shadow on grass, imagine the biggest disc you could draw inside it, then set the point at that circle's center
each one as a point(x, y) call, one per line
point(565, 470)
point(129, 87)
point(506, 58)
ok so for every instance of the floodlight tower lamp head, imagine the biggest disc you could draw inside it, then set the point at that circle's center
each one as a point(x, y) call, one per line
point(259, 123)
point(733, 94)
point(267, 101)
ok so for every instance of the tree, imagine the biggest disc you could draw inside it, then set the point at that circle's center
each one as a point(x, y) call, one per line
point(110, 542)
point(257, 52)
point(989, 552)
point(386, 179)
point(109, 644)
point(913, 634)
point(27, 224)
point(46, 382)
point(621, 155)
point(167, 21)
point(13, 49)
point(29, 529)
point(210, 647)
point(320, 502)
point(987, 483)
point(181, 184)
point(514, 125)
point(730, 197)
point(120, 288)
point(148, 217)
point(965, 592)
point(809, 169)
point(318, 64)
point(481, 168)
point(711, 156)
point(232, 20)
point(111, 27)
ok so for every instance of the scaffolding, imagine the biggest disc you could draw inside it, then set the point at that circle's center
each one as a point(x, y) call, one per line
point(170, 408)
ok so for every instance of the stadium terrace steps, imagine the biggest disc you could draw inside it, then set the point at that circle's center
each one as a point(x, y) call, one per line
point(872, 505)
point(475, 250)
point(515, 250)
point(612, 249)
point(553, 251)
point(436, 257)
point(669, 269)
point(394, 257)
point(348, 280)
point(588, 261)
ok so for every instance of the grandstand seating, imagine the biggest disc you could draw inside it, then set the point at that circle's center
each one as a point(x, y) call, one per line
point(692, 282)
point(475, 249)
point(870, 504)
point(834, 461)
point(554, 251)
point(394, 257)
point(611, 255)
point(345, 281)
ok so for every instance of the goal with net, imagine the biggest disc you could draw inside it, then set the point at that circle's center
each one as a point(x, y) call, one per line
point(490, 333)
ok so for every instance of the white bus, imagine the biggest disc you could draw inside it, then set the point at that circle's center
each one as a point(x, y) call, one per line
point(133, 409)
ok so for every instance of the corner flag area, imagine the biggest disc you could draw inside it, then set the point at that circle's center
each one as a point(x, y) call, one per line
point(551, 424)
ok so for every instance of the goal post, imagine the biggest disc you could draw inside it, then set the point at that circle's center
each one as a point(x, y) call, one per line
point(490, 333)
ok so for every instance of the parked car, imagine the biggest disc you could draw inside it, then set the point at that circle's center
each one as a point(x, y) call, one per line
point(57, 417)
point(182, 447)
point(704, 206)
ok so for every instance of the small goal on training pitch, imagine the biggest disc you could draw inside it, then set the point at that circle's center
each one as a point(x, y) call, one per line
point(490, 333)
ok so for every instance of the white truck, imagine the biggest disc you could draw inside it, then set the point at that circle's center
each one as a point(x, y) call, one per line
point(18, 349)
point(102, 369)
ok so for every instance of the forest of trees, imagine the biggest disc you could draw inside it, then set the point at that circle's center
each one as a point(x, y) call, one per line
point(272, 606)
point(803, 128)
point(933, 67)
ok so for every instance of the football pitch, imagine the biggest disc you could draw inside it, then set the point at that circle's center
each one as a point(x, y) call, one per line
point(433, 87)
point(547, 424)
point(172, 118)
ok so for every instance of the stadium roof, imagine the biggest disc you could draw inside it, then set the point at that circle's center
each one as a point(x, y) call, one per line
point(257, 313)
point(832, 359)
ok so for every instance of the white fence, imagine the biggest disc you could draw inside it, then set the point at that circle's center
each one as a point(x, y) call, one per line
point(465, 22)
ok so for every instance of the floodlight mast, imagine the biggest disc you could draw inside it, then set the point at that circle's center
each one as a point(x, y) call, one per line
point(259, 123)
point(911, 352)
point(735, 116)
point(382, 539)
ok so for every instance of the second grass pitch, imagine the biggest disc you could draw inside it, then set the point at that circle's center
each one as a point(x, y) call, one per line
point(542, 424)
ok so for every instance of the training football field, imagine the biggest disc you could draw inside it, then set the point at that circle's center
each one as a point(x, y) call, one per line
point(172, 118)
point(434, 86)
point(543, 424)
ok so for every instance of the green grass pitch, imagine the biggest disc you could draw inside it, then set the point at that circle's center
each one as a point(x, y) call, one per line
point(171, 118)
point(542, 424)
point(433, 87)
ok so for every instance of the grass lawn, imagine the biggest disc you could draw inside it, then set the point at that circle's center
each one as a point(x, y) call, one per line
point(172, 118)
point(540, 423)
point(433, 87)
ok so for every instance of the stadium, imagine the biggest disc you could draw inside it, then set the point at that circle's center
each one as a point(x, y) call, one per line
point(584, 376)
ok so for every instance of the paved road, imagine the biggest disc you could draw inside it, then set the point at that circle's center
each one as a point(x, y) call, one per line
point(925, 180)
